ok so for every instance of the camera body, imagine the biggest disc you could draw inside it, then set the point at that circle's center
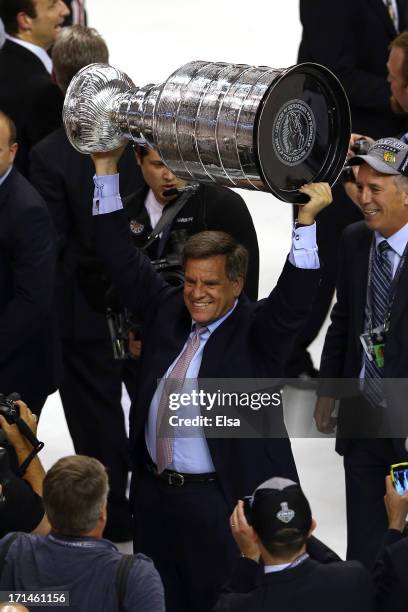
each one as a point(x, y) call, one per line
point(170, 266)
point(360, 147)
point(8, 407)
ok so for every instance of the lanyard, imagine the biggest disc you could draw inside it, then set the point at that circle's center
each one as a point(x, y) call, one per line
point(392, 293)
point(298, 561)
point(82, 543)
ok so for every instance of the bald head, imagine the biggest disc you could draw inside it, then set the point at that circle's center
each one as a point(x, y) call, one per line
point(8, 145)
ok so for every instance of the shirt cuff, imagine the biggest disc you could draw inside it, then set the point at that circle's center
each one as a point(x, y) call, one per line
point(106, 194)
point(303, 253)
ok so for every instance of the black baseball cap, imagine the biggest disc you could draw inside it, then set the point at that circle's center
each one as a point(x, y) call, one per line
point(279, 503)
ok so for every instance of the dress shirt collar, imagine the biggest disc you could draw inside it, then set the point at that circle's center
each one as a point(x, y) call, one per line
point(38, 51)
point(213, 326)
point(5, 175)
point(270, 569)
point(153, 207)
point(397, 241)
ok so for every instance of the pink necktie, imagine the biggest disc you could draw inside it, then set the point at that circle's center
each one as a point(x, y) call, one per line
point(173, 384)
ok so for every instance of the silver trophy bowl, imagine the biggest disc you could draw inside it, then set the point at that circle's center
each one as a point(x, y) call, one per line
point(236, 125)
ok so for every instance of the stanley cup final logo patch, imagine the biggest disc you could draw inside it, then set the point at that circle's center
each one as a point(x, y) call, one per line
point(293, 132)
point(285, 514)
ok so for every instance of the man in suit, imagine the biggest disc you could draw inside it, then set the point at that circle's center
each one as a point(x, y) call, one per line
point(351, 38)
point(30, 358)
point(27, 92)
point(91, 388)
point(390, 569)
point(183, 493)
point(275, 528)
point(209, 207)
point(371, 300)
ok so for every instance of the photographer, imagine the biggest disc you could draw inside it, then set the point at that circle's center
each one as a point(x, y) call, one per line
point(297, 572)
point(21, 506)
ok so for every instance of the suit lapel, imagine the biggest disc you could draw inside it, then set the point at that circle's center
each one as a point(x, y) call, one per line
point(401, 299)
point(359, 283)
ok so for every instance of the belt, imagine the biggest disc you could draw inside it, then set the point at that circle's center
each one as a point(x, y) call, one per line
point(178, 479)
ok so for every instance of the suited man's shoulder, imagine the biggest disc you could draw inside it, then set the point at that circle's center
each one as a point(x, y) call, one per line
point(55, 146)
point(356, 231)
point(21, 192)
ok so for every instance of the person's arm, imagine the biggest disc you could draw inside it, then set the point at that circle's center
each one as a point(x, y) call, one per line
point(246, 572)
point(335, 344)
point(140, 287)
point(34, 473)
point(32, 262)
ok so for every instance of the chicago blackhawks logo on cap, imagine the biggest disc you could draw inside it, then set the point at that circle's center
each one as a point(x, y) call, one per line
point(389, 157)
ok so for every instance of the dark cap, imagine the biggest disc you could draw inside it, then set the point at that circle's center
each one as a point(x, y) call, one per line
point(279, 504)
point(387, 156)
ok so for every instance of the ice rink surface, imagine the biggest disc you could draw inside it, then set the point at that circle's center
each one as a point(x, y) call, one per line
point(148, 41)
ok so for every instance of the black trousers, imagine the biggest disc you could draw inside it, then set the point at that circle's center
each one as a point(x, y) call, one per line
point(185, 530)
point(366, 464)
point(91, 393)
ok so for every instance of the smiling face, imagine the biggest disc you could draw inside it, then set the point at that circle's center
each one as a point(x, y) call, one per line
point(157, 176)
point(383, 202)
point(208, 292)
point(399, 89)
point(43, 29)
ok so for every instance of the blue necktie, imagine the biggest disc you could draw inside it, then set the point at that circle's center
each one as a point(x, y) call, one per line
point(381, 278)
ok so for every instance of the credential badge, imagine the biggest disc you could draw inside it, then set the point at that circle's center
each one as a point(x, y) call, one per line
point(285, 514)
point(294, 132)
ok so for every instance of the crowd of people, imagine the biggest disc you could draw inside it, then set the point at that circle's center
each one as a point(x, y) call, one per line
point(113, 270)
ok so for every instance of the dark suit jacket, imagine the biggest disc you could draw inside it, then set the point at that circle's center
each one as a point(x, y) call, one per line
point(390, 574)
point(212, 207)
point(309, 586)
point(63, 176)
point(351, 38)
point(29, 97)
point(29, 356)
point(253, 342)
point(342, 352)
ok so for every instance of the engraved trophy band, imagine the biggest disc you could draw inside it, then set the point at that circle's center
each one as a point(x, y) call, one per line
point(232, 124)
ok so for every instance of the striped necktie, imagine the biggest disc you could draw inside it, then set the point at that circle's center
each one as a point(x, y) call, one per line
point(392, 13)
point(173, 384)
point(381, 278)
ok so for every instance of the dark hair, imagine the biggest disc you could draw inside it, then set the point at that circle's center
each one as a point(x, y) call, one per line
point(401, 41)
point(141, 151)
point(76, 47)
point(11, 126)
point(74, 492)
point(283, 543)
point(9, 10)
point(209, 244)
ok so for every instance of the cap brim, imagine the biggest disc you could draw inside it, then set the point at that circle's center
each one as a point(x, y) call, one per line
point(374, 162)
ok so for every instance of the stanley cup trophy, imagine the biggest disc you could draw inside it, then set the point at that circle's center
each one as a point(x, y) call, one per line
point(236, 125)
